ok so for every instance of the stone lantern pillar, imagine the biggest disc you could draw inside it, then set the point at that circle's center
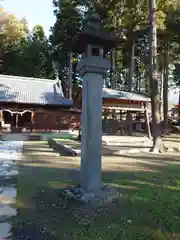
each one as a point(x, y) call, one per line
point(93, 43)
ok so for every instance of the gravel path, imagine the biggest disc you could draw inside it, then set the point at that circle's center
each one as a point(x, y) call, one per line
point(10, 151)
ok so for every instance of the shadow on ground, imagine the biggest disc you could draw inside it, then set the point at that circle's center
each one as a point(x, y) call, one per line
point(149, 207)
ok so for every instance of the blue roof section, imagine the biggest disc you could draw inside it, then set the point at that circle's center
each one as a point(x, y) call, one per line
point(32, 91)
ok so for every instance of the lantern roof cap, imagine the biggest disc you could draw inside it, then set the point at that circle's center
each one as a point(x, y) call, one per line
point(93, 32)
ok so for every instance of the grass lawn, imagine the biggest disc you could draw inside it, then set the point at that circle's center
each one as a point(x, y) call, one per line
point(149, 207)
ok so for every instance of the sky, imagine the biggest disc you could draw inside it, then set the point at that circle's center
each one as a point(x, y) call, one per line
point(35, 12)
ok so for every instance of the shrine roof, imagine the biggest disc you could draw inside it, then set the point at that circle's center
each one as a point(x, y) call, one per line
point(108, 93)
point(16, 89)
point(117, 94)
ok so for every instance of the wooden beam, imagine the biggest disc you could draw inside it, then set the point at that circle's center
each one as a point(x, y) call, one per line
point(16, 112)
point(125, 109)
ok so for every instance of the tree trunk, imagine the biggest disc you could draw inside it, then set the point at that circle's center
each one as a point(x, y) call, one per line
point(154, 84)
point(147, 87)
point(65, 79)
point(165, 90)
point(161, 92)
point(179, 109)
point(147, 125)
point(131, 65)
point(70, 77)
point(113, 68)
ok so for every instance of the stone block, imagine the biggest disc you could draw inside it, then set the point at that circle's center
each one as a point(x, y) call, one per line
point(96, 198)
point(61, 148)
point(34, 137)
point(5, 229)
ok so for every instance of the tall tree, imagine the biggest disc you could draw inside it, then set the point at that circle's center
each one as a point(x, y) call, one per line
point(69, 18)
point(154, 84)
point(39, 55)
point(169, 49)
point(24, 53)
point(12, 41)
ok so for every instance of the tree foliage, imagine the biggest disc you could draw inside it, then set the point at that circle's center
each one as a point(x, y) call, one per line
point(127, 18)
point(24, 53)
point(32, 54)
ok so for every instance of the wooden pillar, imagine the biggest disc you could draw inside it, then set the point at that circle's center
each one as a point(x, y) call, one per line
point(105, 120)
point(17, 117)
point(1, 118)
point(129, 123)
point(138, 121)
point(32, 120)
point(32, 117)
point(11, 118)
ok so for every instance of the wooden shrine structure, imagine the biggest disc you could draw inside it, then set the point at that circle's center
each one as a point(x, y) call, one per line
point(123, 112)
point(35, 105)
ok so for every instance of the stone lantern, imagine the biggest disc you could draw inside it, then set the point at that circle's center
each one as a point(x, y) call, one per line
point(93, 43)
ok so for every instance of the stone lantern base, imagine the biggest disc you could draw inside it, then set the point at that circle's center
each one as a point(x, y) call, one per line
point(96, 198)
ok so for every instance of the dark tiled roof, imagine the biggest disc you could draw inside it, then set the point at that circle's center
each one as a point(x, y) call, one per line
point(32, 91)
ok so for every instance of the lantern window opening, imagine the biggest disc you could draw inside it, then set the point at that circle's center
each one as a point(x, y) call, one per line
point(95, 51)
